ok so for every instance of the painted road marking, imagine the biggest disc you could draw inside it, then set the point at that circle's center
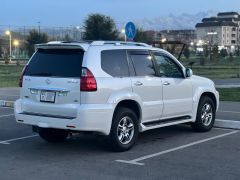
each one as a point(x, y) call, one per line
point(15, 139)
point(6, 115)
point(136, 161)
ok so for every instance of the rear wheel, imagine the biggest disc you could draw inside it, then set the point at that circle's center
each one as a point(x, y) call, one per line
point(124, 130)
point(205, 115)
point(53, 135)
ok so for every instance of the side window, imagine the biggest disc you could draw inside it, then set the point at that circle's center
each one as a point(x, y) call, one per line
point(114, 62)
point(166, 66)
point(143, 64)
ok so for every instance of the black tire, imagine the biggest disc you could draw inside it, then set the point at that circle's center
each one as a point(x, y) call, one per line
point(131, 121)
point(53, 135)
point(203, 123)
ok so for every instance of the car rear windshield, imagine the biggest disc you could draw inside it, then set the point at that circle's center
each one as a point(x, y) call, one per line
point(56, 63)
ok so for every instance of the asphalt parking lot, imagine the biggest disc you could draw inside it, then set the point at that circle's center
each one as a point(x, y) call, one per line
point(168, 153)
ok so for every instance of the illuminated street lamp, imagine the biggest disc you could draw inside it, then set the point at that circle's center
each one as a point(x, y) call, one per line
point(123, 32)
point(8, 33)
point(212, 33)
point(16, 44)
point(164, 40)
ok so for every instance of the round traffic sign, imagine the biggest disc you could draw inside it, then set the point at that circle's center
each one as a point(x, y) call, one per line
point(130, 30)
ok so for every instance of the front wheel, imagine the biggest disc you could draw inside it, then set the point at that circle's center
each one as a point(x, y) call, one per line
point(205, 115)
point(53, 135)
point(124, 130)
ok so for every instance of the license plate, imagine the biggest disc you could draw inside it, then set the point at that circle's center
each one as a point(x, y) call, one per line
point(47, 96)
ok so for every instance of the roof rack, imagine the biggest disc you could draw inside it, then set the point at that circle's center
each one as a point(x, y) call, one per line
point(118, 43)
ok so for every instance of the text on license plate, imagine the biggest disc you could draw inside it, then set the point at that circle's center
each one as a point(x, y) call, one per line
point(47, 96)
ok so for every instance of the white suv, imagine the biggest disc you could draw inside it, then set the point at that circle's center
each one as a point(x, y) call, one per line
point(117, 89)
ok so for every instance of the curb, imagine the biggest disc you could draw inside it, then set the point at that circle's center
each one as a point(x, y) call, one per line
point(226, 86)
point(4, 103)
point(228, 124)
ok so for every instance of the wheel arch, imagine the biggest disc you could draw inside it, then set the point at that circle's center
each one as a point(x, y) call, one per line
point(131, 104)
point(210, 95)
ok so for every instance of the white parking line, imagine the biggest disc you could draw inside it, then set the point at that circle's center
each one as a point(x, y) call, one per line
point(6, 115)
point(15, 139)
point(136, 161)
point(234, 112)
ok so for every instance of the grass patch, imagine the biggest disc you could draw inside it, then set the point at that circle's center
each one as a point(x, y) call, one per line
point(222, 68)
point(229, 94)
point(9, 75)
point(217, 72)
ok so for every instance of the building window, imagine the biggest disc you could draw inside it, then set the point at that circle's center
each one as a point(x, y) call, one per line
point(233, 29)
point(233, 42)
point(233, 35)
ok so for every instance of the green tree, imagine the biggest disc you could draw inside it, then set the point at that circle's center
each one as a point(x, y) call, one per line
point(223, 53)
point(215, 52)
point(238, 51)
point(34, 37)
point(143, 36)
point(206, 50)
point(100, 27)
point(186, 52)
point(231, 58)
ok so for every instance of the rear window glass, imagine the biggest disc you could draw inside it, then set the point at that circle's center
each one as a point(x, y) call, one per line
point(56, 63)
point(114, 62)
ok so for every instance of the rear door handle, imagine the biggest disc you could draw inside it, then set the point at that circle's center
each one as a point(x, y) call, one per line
point(138, 83)
point(166, 83)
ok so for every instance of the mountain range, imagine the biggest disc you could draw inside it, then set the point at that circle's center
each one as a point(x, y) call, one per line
point(176, 22)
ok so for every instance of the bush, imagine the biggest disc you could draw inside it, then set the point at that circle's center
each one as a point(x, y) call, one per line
point(223, 53)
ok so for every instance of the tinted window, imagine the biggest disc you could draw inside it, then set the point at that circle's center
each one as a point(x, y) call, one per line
point(143, 64)
point(166, 66)
point(114, 62)
point(56, 62)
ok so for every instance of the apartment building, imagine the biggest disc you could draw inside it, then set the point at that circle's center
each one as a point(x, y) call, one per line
point(223, 30)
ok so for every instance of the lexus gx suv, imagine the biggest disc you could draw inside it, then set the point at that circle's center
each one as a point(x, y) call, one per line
point(116, 89)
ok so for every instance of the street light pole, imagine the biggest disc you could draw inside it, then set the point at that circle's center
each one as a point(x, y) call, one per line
point(10, 44)
point(39, 27)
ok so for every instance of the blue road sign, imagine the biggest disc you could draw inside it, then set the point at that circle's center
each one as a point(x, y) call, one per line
point(130, 30)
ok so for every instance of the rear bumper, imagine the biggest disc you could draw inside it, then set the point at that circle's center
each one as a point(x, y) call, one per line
point(90, 117)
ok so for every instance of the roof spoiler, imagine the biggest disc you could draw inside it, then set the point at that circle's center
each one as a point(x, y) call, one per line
point(58, 45)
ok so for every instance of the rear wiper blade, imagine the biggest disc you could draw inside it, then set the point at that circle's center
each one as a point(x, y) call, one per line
point(41, 74)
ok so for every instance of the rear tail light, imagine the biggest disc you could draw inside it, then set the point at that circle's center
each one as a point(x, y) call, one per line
point(21, 76)
point(88, 81)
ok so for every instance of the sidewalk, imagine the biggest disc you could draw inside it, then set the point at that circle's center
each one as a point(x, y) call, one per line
point(227, 83)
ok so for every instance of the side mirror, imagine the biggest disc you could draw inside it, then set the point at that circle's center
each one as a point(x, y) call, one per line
point(189, 72)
